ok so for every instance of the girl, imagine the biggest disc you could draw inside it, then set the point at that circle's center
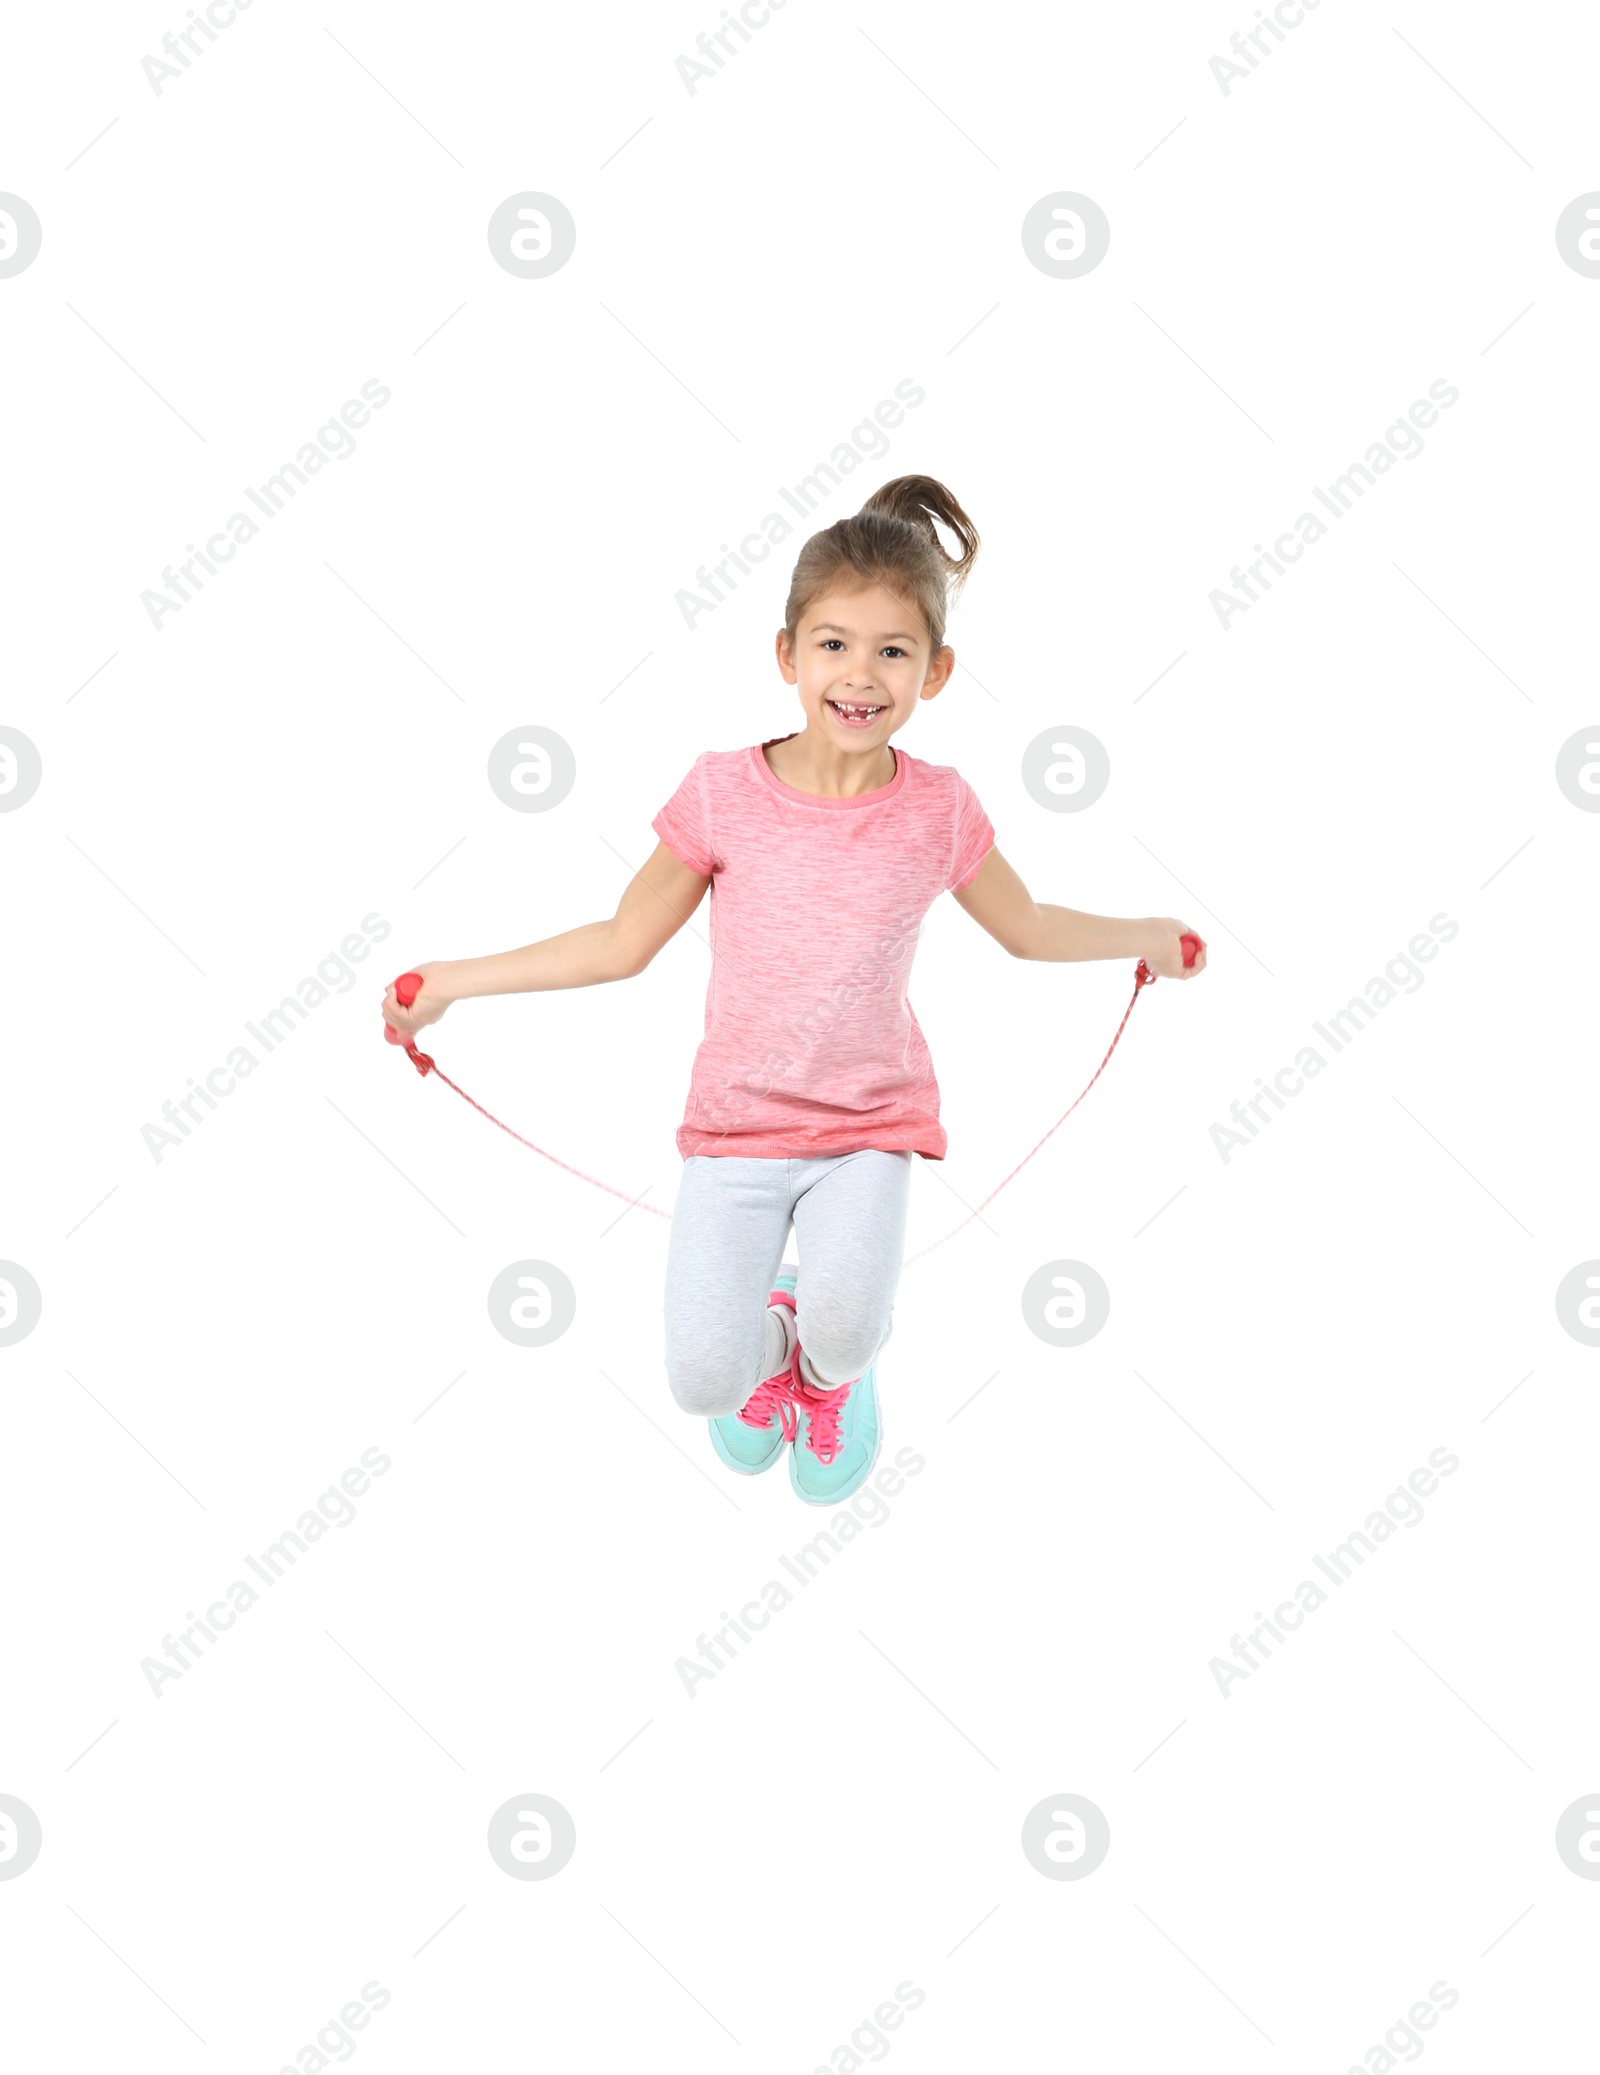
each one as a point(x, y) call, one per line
point(813, 1086)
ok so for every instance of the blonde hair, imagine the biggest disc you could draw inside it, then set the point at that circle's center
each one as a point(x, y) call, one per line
point(891, 541)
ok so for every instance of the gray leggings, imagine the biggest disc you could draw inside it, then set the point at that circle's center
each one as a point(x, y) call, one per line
point(729, 1227)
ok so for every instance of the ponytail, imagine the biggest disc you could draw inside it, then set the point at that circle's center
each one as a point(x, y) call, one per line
point(894, 541)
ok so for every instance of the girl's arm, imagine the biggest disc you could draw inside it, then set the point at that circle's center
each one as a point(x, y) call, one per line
point(998, 901)
point(655, 905)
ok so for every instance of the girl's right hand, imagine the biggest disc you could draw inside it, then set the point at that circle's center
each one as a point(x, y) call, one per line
point(429, 1005)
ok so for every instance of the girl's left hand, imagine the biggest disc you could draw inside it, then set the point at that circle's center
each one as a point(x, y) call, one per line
point(1165, 958)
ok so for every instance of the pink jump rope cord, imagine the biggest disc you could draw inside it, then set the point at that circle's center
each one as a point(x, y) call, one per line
point(409, 985)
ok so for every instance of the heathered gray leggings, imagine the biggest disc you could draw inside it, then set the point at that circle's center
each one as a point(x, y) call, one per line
point(729, 1227)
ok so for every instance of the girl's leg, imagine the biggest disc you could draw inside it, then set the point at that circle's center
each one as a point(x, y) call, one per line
point(850, 1225)
point(729, 1225)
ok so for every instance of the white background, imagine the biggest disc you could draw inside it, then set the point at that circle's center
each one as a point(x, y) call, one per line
point(1292, 1331)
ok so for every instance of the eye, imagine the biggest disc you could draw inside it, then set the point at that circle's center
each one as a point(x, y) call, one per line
point(833, 641)
point(891, 650)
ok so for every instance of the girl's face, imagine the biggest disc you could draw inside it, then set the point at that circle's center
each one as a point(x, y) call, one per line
point(862, 660)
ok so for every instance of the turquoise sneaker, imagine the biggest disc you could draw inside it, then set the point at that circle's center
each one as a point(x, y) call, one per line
point(751, 1439)
point(840, 1435)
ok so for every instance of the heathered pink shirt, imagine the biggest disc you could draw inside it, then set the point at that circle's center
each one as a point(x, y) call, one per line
point(811, 1046)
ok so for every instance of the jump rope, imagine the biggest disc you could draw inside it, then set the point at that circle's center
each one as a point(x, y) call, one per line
point(409, 985)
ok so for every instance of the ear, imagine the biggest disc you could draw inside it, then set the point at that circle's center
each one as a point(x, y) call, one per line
point(785, 652)
point(939, 669)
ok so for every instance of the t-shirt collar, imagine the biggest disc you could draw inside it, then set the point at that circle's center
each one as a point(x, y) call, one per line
point(792, 792)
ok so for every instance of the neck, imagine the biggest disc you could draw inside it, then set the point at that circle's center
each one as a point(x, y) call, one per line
point(812, 765)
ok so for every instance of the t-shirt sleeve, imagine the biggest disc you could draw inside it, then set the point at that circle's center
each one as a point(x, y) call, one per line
point(684, 823)
point(974, 837)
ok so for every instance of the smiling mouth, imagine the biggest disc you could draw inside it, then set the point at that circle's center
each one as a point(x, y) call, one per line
point(853, 714)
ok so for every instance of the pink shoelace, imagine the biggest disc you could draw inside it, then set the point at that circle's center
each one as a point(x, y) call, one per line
point(788, 1391)
point(775, 1395)
point(822, 1431)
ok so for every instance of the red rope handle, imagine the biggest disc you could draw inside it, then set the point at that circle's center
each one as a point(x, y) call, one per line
point(409, 985)
point(406, 989)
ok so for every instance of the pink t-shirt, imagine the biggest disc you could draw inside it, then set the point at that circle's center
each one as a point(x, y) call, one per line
point(811, 1046)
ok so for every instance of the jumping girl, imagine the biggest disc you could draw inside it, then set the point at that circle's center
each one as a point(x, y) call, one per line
point(813, 1086)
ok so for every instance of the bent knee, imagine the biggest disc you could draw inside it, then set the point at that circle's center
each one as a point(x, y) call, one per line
point(710, 1387)
point(843, 1344)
